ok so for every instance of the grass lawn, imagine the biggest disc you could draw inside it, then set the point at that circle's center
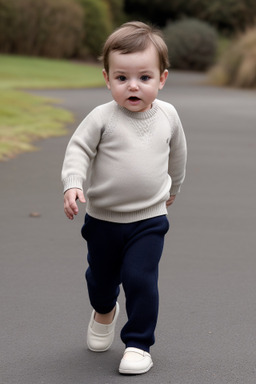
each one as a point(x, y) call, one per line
point(25, 118)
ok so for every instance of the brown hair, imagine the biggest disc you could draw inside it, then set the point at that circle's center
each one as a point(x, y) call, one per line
point(133, 37)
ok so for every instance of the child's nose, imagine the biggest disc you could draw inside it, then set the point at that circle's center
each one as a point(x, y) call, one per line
point(133, 85)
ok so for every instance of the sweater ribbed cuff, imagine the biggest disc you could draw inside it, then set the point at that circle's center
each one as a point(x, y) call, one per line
point(72, 182)
point(175, 189)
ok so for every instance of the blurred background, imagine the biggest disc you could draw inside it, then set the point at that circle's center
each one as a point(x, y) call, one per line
point(198, 32)
point(49, 49)
point(56, 44)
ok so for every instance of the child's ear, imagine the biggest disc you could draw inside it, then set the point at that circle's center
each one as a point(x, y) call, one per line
point(163, 78)
point(106, 78)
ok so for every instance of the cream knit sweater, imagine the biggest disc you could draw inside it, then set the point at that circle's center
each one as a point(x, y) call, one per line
point(131, 161)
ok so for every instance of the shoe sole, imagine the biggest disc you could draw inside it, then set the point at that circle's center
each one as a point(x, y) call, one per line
point(135, 372)
point(99, 350)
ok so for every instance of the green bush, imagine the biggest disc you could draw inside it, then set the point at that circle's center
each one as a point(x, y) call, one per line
point(237, 66)
point(192, 44)
point(41, 27)
point(6, 21)
point(117, 15)
point(227, 16)
point(97, 26)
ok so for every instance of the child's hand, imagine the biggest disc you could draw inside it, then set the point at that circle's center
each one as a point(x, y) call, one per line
point(170, 200)
point(70, 197)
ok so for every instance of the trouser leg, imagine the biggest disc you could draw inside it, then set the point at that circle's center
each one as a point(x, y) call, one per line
point(104, 259)
point(139, 276)
point(127, 254)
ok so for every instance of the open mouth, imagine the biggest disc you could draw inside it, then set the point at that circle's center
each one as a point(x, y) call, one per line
point(134, 98)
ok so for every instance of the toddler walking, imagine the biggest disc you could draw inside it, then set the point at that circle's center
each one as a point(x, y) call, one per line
point(132, 153)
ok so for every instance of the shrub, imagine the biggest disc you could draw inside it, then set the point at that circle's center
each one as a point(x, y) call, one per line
point(237, 67)
point(192, 44)
point(116, 8)
point(8, 11)
point(40, 27)
point(97, 26)
point(228, 16)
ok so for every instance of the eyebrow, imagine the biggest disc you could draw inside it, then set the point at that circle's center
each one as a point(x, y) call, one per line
point(140, 72)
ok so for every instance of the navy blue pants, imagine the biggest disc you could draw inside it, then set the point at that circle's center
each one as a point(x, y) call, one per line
point(127, 254)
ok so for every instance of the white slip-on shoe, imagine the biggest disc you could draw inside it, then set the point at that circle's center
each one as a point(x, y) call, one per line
point(101, 336)
point(135, 362)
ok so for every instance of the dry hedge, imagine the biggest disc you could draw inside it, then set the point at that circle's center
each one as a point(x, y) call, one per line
point(237, 67)
point(41, 27)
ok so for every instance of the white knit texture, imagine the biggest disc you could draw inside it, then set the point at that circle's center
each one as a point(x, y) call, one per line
point(137, 159)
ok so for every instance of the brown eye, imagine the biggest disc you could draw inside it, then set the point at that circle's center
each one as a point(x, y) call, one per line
point(145, 78)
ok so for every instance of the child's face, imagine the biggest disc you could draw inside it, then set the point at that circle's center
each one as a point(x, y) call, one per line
point(134, 78)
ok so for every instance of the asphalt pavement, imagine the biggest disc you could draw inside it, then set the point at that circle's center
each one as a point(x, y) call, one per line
point(206, 330)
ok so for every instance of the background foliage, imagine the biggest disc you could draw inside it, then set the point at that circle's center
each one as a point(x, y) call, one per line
point(198, 33)
point(77, 29)
point(40, 27)
point(97, 26)
point(237, 67)
point(59, 28)
point(192, 44)
point(228, 16)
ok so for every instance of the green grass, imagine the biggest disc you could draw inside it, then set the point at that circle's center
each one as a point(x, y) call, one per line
point(25, 118)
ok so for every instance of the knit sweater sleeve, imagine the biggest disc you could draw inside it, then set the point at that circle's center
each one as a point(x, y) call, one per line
point(178, 154)
point(81, 150)
point(178, 147)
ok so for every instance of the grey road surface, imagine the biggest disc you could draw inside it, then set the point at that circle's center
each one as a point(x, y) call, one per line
point(206, 331)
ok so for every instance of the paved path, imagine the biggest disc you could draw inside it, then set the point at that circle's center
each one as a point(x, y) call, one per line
point(207, 324)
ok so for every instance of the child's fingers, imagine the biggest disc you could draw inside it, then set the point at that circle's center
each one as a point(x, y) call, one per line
point(73, 207)
point(170, 200)
point(70, 209)
point(80, 196)
point(69, 214)
point(70, 205)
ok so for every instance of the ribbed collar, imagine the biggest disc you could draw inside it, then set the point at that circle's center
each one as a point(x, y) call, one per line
point(140, 115)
